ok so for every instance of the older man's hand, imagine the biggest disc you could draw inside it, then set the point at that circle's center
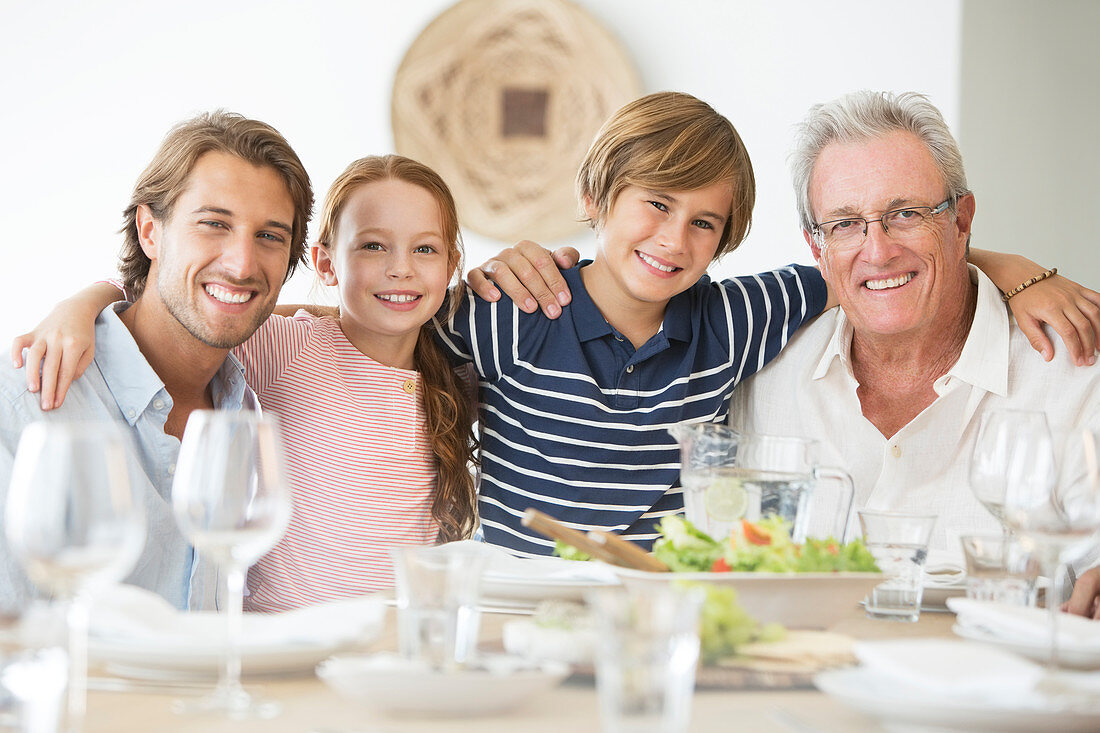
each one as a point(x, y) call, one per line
point(529, 274)
point(1085, 600)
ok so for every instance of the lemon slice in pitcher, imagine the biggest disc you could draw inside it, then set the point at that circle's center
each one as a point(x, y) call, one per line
point(726, 499)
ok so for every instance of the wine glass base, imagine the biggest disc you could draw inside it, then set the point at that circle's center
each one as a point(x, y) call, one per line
point(235, 704)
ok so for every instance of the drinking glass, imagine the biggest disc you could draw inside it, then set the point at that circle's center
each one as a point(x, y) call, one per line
point(1013, 447)
point(1059, 517)
point(231, 501)
point(899, 543)
point(75, 523)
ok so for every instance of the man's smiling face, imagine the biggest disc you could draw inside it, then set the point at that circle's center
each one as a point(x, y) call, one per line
point(220, 257)
point(889, 287)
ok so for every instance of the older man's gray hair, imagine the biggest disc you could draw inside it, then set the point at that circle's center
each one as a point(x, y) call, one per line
point(865, 115)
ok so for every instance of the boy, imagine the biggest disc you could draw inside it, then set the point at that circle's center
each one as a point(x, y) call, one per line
point(576, 411)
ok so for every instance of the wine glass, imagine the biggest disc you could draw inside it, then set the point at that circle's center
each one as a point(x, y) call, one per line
point(75, 523)
point(1013, 447)
point(1059, 518)
point(231, 501)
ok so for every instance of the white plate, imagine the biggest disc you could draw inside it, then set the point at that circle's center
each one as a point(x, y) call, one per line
point(191, 645)
point(526, 591)
point(389, 682)
point(797, 600)
point(882, 698)
point(1068, 656)
point(138, 660)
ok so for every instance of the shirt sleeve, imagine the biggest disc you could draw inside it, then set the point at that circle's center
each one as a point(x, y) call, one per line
point(482, 333)
point(762, 312)
point(275, 345)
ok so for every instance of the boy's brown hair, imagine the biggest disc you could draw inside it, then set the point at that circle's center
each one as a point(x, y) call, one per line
point(669, 141)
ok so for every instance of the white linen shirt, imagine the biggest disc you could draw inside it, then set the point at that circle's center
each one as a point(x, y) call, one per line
point(810, 391)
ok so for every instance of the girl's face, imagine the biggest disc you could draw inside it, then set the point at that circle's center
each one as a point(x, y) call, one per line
point(388, 261)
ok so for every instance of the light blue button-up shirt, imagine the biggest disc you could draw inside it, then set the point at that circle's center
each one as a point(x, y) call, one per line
point(121, 386)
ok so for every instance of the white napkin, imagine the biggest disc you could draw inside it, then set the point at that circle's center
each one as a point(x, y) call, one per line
point(1026, 624)
point(943, 569)
point(503, 563)
point(132, 614)
point(951, 668)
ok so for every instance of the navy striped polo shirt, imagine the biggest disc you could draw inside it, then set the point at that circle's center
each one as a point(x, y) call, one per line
point(574, 421)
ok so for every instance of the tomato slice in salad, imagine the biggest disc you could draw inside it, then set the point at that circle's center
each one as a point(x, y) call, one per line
point(754, 534)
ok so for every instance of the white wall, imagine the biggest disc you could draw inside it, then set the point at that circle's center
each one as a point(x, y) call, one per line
point(88, 90)
point(1030, 104)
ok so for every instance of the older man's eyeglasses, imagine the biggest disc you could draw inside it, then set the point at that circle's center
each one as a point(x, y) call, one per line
point(901, 224)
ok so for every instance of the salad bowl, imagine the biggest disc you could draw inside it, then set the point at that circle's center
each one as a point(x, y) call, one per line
point(795, 600)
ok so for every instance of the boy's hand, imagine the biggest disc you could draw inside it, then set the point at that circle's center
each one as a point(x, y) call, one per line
point(529, 274)
point(1072, 310)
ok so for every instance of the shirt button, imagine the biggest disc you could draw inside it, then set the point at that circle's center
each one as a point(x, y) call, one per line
point(409, 386)
point(630, 369)
point(172, 470)
point(158, 404)
point(131, 414)
point(895, 450)
point(618, 338)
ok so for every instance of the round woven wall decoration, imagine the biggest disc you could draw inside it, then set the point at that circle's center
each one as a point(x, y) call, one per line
point(502, 98)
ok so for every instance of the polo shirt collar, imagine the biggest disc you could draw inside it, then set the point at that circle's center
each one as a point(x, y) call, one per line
point(983, 362)
point(590, 323)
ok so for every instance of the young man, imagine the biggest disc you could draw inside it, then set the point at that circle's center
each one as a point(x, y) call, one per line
point(216, 224)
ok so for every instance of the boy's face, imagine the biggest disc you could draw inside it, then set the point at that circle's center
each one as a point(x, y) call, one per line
point(656, 244)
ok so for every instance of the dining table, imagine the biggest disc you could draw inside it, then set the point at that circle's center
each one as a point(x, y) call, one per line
point(311, 706)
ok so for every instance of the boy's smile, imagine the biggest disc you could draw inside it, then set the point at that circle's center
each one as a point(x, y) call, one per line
point(654, 245)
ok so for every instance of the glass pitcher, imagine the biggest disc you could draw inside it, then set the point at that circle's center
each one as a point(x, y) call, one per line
point(728, 476)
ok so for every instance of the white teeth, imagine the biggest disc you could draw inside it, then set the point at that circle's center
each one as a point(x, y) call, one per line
point(893, 282)
point(217, 292)
point(654, 263)
point(398, 298)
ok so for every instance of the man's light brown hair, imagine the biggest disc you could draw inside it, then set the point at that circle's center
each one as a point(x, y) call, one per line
point(669, 141)
point(165, 178)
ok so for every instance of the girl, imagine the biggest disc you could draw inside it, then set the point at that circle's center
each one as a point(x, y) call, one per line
point(376, 423)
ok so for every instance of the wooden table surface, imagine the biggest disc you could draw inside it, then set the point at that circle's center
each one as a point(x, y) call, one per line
point(310, 705)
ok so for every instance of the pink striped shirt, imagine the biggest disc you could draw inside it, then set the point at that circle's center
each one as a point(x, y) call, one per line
point(359, 462)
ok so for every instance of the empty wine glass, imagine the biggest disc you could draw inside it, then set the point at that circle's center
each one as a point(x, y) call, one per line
point(231, 501)
point(74, 522)
point(1013, 447)
point(1059, 518)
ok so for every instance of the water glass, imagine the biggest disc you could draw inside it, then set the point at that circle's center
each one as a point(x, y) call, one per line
point(999, 568)
point(899, 543)
point(32, 683)
point(646, 654)
point(438, 589)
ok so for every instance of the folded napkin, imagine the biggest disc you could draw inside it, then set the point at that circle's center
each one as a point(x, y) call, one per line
point(943, 569)
point(126, 612)
point(951, 668)
point(532, 569)
point(1026, 624)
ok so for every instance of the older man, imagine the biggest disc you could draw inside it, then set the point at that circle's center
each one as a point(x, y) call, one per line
point(216, 224)
point(894, 383)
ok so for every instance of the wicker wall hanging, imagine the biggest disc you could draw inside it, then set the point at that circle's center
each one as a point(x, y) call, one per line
point(502, 97)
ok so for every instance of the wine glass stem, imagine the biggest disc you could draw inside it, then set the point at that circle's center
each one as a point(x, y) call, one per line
point(77, 621)
point(230, 682)
point(1054, 602)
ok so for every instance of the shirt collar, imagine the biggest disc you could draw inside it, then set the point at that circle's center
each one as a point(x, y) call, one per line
point(983, 362)
point(590, 323)
point(134, 384)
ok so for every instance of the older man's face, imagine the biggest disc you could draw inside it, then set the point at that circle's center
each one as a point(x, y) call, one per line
point(890, 287)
